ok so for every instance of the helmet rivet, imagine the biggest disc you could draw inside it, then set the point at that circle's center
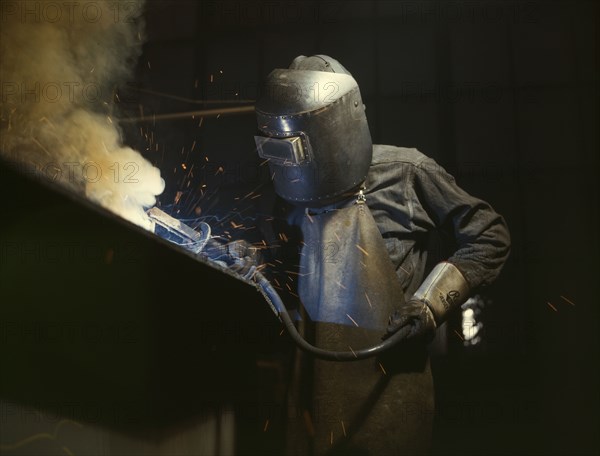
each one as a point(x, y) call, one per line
point(356, 104)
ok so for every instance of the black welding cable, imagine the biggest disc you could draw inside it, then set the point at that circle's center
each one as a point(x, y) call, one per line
point(280, 310)
point(246, 269)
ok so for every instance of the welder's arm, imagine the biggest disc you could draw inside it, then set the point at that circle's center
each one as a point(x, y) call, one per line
point(481, 237)
point(482, 246)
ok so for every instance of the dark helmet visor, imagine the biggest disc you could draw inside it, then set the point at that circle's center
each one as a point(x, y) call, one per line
point(291, 150)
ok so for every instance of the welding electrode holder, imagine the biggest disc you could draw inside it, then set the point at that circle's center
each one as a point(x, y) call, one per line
point(241, 258)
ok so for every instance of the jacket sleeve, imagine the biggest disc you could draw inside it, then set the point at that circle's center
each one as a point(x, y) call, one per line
point(481, 235)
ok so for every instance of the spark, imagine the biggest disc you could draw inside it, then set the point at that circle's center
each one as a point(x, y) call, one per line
point(352, 320)
point(553, 308)
point(570, 302)
point(295, 180)
point(404, 270)
point(368, 300)
point(309, 218)
point(149, 67)
point(337, 237)
point(353, 352)
point(382, 369)
point(264, 162)
point(458, 334)
point(190, 173)
point(340, 284)
point(343, 428)
point(108, 257)
point(183, 166)
point(308, 423)
point(282, 331)
point(331, 438)
point(266, 425)
point(211, 78)
point(109, 120)
point(362, 250)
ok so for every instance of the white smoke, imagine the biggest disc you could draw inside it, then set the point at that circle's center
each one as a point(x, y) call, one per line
point(60, 63)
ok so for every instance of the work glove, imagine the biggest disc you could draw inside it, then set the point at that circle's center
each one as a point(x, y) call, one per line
point(443, 290)
point(416, 318)
point(239, 256)
point(244, 258)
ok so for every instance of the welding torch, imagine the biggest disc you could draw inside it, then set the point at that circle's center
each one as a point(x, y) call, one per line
point(233, 256)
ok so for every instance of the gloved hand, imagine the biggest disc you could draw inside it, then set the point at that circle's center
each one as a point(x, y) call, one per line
point(239, 256)
point(244, 258)
point(417, 316)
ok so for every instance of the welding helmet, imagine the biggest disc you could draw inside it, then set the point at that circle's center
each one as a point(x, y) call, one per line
point(313, 131)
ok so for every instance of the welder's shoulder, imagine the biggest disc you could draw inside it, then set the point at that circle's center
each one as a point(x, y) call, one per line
point(386, 154)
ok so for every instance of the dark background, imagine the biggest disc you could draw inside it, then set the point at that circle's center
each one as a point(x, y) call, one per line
point(504, 95)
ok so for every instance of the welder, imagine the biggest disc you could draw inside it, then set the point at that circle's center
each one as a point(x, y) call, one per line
point(368, 215)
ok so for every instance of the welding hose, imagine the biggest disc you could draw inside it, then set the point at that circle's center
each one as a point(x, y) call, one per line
point(272, 297)
point(244, 266)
